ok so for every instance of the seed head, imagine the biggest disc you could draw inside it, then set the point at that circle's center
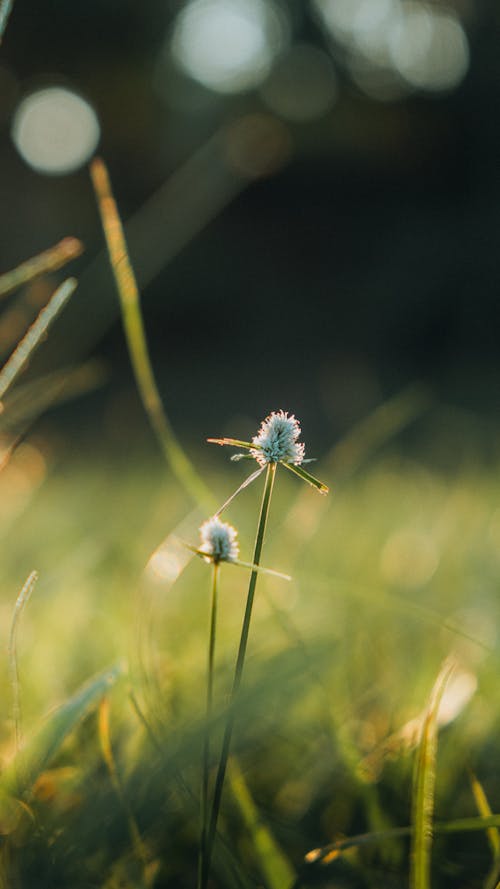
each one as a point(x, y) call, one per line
point(218, 541)
point(277, 440)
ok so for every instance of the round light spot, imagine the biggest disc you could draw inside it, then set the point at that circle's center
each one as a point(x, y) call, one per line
point(228, 45)
point(429, 47)
point(55, 130)
point(302, 85)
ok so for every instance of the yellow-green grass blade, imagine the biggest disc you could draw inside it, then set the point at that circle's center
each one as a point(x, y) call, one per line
point(19, 777)
point(23, 351)
point(459, 825)
point(424, 781)
point(492, 833)
point(275, 867)
point(49, 261)
point(307, 477)
point(233, 442)
point(135, 334)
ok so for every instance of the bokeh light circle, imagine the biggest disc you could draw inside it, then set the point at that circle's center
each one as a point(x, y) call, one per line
point(429, 47)
point(228, 45)
point(55, 130)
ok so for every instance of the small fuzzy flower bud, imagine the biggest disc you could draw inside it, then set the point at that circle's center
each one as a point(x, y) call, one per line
point(218, 541)
point(277, 440)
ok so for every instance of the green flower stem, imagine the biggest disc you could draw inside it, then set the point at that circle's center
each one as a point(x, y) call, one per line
point(219, 782)
point(206, 743)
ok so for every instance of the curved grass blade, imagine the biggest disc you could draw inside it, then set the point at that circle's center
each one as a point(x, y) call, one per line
point(21, 774)
point(135, 334)
point(49, 261)
point(307, 477)
point(35, 334)
point(275, 867)
point(424, 781)
point(21, 602)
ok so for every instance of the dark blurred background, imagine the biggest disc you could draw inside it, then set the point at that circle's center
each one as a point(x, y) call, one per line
point(311, 189)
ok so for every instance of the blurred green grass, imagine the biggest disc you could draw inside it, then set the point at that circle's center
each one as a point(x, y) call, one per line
point(392, 572)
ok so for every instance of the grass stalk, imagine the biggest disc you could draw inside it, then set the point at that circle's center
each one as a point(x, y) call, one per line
point(32, 339)
point(135, 334)
point(240, 662)
point(424, 781)
point(209, 707)
point(21, 602)
point(49, 261)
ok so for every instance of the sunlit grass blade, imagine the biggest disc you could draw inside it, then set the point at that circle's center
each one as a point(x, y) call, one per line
point(248, 481)
point(21, 602)
point(459, 825)
point(307, 477)
point(276, 868)
point(48, 261)
point(109, 759)
point(492, 833)
point(424, 781)
point(135, 333)
point(5, 11)
point(38, 752)
point(238, 562)
point(260, 569)
point(11, 370)
point(233, 442)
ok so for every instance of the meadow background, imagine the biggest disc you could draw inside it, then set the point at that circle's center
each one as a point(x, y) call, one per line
point(320, 237)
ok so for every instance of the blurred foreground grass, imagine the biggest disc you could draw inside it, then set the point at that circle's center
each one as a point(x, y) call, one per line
point(392, 573)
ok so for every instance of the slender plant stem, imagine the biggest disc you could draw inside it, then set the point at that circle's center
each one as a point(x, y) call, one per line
point(135, 334)
point(206, 742)
point(240, 662)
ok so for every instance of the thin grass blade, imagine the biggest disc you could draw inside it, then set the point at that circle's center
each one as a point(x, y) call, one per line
point(307, 477)
point(424, 781)
point(135, 334)
point(35, 335)
point(49, 261)
point(233, 442)
point(21, 602)
point(274, 865)
point(251, 478)
point(20, 775)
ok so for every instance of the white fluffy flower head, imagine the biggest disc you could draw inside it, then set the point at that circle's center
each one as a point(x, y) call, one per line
point(276, 440)
point(218, 541)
